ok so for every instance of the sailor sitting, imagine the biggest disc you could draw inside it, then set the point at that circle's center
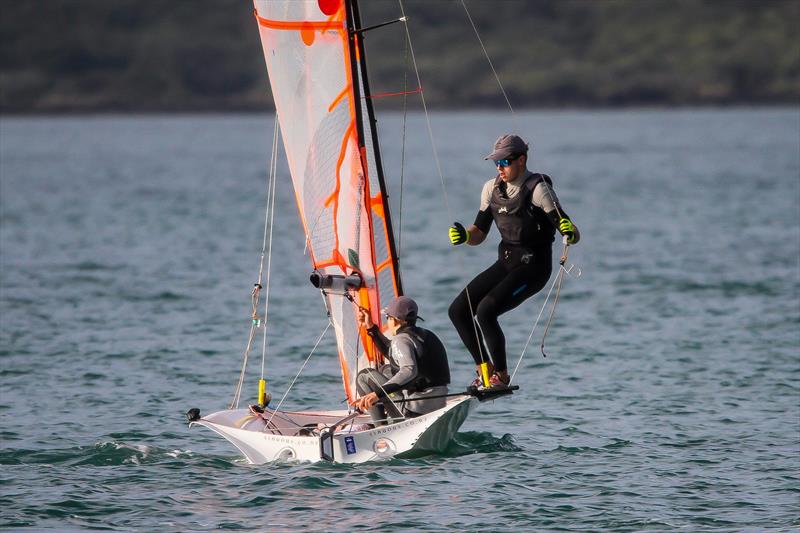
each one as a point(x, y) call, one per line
point(416, 364)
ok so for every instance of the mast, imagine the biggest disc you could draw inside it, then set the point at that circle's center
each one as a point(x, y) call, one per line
point(317, 74)
point(358, 61)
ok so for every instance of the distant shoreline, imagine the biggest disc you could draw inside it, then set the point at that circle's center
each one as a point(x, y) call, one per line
point(391, 111)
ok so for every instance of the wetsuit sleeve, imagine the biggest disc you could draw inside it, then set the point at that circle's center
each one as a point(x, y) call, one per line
point(401, 352)
point(545, 198)
point(380, 340)
point(483, 221)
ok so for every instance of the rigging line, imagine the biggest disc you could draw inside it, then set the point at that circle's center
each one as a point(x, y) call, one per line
point(238, 391)
point(389, 397)
point(439, 168)
point(558, 292)
point(403, 146)
point(273, 166)
point(299, 371)
point(256, 290)
point(496, 77)
point(425, 108)
point(535, 323)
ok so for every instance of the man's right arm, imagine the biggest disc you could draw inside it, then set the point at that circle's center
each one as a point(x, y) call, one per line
point(483, 220)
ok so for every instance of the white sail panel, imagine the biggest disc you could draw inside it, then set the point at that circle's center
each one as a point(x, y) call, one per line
point(308, 55)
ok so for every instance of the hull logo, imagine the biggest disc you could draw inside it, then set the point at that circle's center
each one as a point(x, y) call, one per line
point(350, 445)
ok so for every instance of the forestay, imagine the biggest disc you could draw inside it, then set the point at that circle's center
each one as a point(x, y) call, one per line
point(318, 79)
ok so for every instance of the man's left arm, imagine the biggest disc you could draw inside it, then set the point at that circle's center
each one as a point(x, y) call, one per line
point(545, 197)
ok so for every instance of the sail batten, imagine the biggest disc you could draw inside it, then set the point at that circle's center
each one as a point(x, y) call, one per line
point(318, 79)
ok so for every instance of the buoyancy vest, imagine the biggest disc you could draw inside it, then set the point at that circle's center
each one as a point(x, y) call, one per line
point(519, 221)
point(431, 357)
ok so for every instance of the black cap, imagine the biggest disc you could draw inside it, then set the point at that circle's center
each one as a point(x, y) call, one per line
point(507, 146)
point(403, 308)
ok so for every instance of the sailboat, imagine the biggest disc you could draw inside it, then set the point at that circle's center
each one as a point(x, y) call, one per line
point(316, 62)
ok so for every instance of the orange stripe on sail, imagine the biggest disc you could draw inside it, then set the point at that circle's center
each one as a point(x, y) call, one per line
point(371, 230)
point(376, 203)
point(384, 264)
point(373, 355)
point(346, 377)
point(300, 25)
point(338, 99)
point(333, 198)
point(356, 37)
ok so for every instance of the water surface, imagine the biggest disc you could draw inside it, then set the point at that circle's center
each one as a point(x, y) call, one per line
point(670, 398)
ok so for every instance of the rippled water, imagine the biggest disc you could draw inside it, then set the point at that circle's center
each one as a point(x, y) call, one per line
point(670, 398)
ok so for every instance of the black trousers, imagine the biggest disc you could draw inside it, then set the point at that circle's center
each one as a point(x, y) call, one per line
point(518, 274)
point(371, 380)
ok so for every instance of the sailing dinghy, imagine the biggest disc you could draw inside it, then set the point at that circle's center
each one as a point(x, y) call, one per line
point(316, 63)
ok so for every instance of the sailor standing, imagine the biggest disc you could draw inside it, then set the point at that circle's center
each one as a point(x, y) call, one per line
point(527, 213)
point(416, 364)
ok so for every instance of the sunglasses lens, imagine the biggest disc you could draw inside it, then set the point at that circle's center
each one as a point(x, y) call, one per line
point(502, 162)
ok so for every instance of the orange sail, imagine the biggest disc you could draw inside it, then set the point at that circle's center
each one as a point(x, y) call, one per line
point(317, 72)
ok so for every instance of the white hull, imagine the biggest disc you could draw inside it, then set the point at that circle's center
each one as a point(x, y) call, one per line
point(289, 434)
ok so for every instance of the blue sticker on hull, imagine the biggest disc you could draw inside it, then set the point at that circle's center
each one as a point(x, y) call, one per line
point(350, 445)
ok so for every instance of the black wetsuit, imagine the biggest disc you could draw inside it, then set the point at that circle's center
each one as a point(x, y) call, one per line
point(522, 269)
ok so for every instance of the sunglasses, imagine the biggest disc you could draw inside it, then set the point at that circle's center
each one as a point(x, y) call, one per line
point(505, 162)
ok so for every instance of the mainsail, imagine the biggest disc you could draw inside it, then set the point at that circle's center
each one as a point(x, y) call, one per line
point(317, 71)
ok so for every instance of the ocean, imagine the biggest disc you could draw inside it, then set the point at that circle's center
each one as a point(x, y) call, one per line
point(669, 399)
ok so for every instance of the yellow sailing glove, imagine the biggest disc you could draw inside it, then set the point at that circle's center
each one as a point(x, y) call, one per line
point(566, 227)
point(458, 234)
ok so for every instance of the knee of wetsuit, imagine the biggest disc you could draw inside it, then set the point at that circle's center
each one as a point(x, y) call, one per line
point(363, 381)
point(455, 311)
point(487, 310)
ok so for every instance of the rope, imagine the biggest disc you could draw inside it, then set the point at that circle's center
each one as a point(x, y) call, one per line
point(387, 396)
point(271, 210)
point(439, 170)
point(255, 323)
point(403, 146)
point(496, 77)
point(425, 108)
point(561, 272)
point(274, 412)
point(238, 391)
point(535, 323)
point(556, 283)
point(450, 395)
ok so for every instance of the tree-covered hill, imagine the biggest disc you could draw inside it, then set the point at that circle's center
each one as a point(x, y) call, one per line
point(164, 55)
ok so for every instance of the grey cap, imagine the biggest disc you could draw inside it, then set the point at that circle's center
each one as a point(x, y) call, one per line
point(506, 146)
point(402, 308)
